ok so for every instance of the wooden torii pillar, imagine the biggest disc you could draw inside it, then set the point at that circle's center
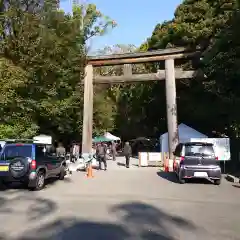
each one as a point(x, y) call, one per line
point(87, 110)
point(171, 106)
point(170, 73)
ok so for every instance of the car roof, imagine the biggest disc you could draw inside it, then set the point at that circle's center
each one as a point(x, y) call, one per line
point(198, 143)
point(23, 144)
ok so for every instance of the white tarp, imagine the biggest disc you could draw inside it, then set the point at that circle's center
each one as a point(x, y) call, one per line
point(185, 134)
point(111, 137)
point(221, 147)
point(2, 143)
point(42, 139)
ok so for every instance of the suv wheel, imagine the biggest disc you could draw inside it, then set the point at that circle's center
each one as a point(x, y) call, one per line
point(40, 181)
point(217, 182)
point(181, 180)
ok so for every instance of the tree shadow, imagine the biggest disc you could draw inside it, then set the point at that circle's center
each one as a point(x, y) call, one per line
point(135, 221)
point(36, 207)
point(150, 222)
point(72, 228)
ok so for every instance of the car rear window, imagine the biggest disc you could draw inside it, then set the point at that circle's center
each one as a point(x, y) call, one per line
point(199, 150)
point(11, 152)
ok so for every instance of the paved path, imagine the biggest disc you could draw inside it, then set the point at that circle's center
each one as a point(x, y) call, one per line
point(135, 203)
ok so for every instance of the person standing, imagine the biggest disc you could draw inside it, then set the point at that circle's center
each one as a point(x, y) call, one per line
point(60, 150)
point(76, 151)
point(127, 151)
point(101, 153)
point(113, 150)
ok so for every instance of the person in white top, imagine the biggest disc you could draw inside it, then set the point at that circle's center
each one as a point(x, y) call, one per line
point(76, 151)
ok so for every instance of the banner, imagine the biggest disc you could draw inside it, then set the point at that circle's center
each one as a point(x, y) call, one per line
point(221, 146)
point(146, 157)
point(143, 159)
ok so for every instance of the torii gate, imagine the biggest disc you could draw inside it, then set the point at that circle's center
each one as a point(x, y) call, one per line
point(170, 73)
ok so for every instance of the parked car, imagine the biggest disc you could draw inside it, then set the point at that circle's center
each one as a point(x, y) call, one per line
point(30, 164)
point(196, 160)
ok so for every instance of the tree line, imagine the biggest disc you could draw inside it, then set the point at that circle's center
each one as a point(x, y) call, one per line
point(209, 104)
point(42, 58)
point(43, 53)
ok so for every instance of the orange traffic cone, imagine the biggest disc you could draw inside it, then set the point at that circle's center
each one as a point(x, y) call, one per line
point(166, 168)
point(89, 171)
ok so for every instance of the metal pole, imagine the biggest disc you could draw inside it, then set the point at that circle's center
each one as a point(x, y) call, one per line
point(171, 106)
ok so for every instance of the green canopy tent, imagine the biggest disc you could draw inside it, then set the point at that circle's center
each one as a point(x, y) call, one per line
point(101, 139)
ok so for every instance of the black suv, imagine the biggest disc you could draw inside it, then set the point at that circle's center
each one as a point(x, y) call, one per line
point(196, 160)
point(30, 164)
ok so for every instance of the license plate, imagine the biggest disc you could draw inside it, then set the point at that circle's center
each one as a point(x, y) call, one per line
point(4, 168)
point(200, 174)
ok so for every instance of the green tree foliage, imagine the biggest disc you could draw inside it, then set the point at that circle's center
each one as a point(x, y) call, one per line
point(221, 65)
point(195, 24)
point(111, 106)
point(42, 64)
point(198, 25)
point(16, 117)
point(106, 97)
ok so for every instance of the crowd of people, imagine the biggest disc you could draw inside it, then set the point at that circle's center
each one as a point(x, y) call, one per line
point(101, 153)
point(61, 151)
point(100, 150)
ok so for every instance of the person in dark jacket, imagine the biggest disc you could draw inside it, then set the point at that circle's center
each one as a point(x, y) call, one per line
point(127, 151)
point(101, 154)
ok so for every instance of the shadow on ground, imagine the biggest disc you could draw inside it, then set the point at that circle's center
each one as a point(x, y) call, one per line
point(170, 176)
point(236, 185)
point(121, 164)
point(49, 182)
point(135, 221)
point(33, 207)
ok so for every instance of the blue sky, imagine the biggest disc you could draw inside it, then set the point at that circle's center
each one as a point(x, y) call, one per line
point(136, 19)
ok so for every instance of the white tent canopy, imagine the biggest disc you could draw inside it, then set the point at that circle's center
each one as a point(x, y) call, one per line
point(42, 139)
point(185, 134)
point(111, 137)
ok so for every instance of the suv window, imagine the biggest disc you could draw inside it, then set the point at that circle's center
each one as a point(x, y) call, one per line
point(13, 151)
point(40, 152)
point(199, 150)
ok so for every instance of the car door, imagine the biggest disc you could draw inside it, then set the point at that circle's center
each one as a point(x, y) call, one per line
point(54, 163)
point(42, 159)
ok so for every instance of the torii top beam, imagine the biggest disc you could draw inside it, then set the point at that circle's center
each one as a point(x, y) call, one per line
point(142, 57)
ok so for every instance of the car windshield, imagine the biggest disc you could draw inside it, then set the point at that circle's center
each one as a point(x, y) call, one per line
point(11, 152)
point(199, 150)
